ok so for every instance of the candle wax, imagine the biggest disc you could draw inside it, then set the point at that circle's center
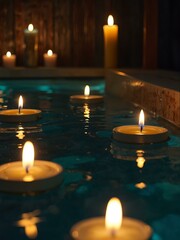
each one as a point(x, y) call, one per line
point(84, 98)
point(94, 229)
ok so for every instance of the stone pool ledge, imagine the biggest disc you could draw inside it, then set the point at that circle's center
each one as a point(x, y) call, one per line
point(157, 91)
point(44, 72)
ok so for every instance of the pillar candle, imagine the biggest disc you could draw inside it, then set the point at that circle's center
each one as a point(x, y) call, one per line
point(50, 59)
point(110, 43)
point(9, 60)
point(31, 46)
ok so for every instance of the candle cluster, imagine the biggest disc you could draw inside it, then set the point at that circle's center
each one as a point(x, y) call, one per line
point(30, 51)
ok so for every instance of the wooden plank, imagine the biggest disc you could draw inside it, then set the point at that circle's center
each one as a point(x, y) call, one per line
point(150, 34)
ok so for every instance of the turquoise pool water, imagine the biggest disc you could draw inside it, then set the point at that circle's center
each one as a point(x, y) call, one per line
point(79, 137)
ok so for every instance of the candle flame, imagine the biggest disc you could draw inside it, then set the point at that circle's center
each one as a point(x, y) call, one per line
point(8, 54)
point(20, 102)
point(110, 20)
point(28, 155)
point(141, 120)
point(49, 52)
point(113, 218)
point(87, 90)
point(30, 27)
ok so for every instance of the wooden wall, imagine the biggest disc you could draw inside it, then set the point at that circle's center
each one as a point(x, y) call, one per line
point(73, 29)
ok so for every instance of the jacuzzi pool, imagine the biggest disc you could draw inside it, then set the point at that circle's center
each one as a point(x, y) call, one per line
point(79, 137)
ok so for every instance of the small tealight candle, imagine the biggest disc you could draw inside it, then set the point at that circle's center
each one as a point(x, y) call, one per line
point(9, 60)
point(20, 114)
point(86, 97)
point(112, 227)
point(29, 175)
point(110, 43)
point(50, 59)
point(141, 133)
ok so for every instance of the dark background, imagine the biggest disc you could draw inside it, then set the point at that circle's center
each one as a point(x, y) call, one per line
point(74, 30)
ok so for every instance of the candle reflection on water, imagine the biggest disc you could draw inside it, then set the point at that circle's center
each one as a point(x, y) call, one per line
point(29, 222)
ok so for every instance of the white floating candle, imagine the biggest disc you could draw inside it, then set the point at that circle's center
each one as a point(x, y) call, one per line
point(29, 175)
point(9, 60)
point(112, 227)
point(141, 133)
point(20, 114)
point(50, 59)
point(86, 97)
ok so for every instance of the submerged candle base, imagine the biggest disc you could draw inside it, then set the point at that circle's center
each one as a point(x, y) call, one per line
point(42, 176)
point(88, 99)
point(94, 229)
point(132, 134)
point(25, 115)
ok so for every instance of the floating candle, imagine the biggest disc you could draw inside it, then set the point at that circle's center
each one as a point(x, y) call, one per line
point(112, 227)
point(20, 114)
point(86, 97)
point(9, 60)
point(29, 175)
point(110, 43)
point(50, 59)
point(141, 134)
point(31, 46)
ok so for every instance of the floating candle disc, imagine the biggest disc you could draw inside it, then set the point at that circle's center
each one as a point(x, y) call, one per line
point(86, 97)
point(132, 134)
point(25, 115)
point(94, 229)
point(89, 99)
point(42, 176)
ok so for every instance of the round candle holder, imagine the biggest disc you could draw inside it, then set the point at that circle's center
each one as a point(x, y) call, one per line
point(25, 115)
point(132, 134)
point(87, 99)
point(42, 176)
point(94, 229)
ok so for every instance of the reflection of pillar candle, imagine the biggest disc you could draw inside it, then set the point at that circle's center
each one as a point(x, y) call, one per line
point(110, 43)
point(9, 60)
point(50, 59)
point(31, 46)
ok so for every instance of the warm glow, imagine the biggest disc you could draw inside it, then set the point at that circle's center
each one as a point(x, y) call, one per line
point(141, 119)
point(113, 218)
point(86, 111)
point(30, 27)
point(20, 102)
point(140, 162)
point(110, 20)
point(87, 90)
point(28, 155)
point(31, 231)
point(8, 54)
point(49, 52)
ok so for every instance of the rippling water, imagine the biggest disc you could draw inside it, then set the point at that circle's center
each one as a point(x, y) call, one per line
point(96, 168)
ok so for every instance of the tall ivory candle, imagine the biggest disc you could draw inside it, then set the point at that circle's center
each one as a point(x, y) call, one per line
point(110, 43)
point(31, 46)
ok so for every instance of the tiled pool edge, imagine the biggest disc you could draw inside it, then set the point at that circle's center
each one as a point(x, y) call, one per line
point(160, 100)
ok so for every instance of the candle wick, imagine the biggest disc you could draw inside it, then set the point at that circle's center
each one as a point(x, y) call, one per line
point(113, 233)
point(141, 128)
point(27, 169)
point(19, 110)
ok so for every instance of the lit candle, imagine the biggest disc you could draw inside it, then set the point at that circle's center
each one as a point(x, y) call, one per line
point(110, 43)
point(50, 59)
point(20, 114)
point(29, 175)
point(86, 97)
point(9, 60)
point(112, 227)
point(141, 133)
point(31, 46)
